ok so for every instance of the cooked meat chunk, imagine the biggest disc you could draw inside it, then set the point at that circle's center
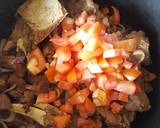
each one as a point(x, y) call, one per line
point(2, 85)
point(13, 63)
point(39, 84)
point(75, 7)
point(17, 92)
point(138, 102)
point(47, 15)
point(5, 102)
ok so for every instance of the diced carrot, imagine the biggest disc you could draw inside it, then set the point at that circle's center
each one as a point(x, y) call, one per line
point(79, 97)
point(129, 45)
point(61, 121)
point(59, 77)
point(123, 97)
point(77, 47)
point(101, 97)
point(114, 96)
point(47, 97)
point(102, 62)
point(81, 65)
point(50, 74)
point(116, 108)
point(36, 62)
point(92, 87)
point(82, 111)
point(111, 82)
point(111, 53)
point(86, 55)
point(115, 61)
point(67, 108)
point(81, 19)
point(92, 44)
point(127, 64)
point(131, 74)
point(63, 67)
point(83, 36)
point(89, 106)
point(87, 75)
point(96, 29)
point(74, 39)
point(72, 76)
point(93, 66)
point(63, 53)
point(105, 46)
point(58, 41)
point(72, 91)
point(65, 85)
point(109, 69)
point(101, 81)
point(67, 24)
point(126, 87)
point(116, 16)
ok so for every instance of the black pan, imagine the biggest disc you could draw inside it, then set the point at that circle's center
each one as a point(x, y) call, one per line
point(139, 14)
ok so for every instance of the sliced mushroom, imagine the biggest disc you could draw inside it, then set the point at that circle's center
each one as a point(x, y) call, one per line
point(139, 55)
point(34, 113)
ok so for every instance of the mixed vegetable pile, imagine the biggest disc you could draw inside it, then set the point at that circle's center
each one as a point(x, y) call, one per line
point(92, 66)
point(81, 70)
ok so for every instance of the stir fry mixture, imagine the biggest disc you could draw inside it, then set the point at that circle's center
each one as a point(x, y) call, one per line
point(72, 65)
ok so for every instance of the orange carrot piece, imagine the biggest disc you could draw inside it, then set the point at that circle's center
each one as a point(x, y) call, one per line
point(47, 97)
point(102, 62)
point(131, 74)
point(79, 97)
point(72, 76)
point(123, 97)
point(50, 74)
point(77, 47)
point(86, 55)
point(67, 108)
point(89, 106)
point(65, 85)
point(61, 121)
point(36, 62)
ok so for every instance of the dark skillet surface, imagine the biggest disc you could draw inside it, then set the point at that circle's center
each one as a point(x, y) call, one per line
point(139, 14)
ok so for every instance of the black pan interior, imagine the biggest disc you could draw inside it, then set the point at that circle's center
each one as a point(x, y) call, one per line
point(140, 15)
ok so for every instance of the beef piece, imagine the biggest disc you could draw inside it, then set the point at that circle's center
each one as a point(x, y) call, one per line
point(5, 102)
point(20, 31)
point(2, 85)
point(41, 17)
point(12, 63)
point(18, 91)
point(110, 118)
point(75, 7)
point(145, 86)
point(39, 84)
point(7, 62)
point(138, 102)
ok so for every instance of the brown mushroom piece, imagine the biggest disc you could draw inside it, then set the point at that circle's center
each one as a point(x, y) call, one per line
point(138, 55)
